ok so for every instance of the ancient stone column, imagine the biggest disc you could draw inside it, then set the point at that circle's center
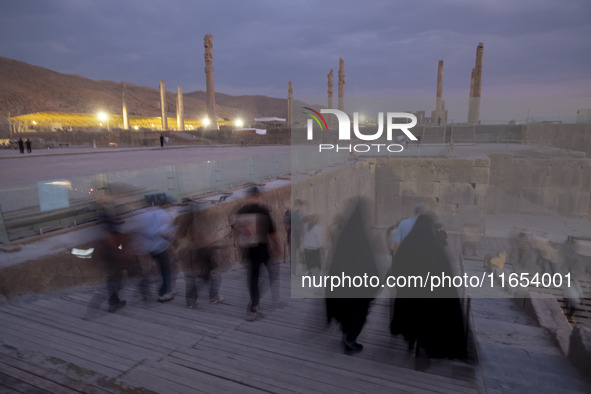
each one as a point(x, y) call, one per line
point(180, 120)
point(210, 91)
point(478, 73)
point(341, 85)
point(163, 105)
point(330, 83)
point(124, 104)
point(289, 103)
point(476, 87)
point(439, 93)
point(472, 83)
point(439, 116)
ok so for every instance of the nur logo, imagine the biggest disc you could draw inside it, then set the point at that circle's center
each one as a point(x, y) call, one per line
point(317, 117)
point(392, 123)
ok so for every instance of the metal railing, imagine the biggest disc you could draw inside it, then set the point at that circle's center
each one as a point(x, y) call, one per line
point(37, 208)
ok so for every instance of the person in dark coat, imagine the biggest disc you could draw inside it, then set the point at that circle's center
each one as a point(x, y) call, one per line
point(431, 319)
point(257, 239)
point(21, 145)
point(352, 256)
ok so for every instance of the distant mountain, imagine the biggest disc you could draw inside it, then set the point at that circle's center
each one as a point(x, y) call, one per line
point(26, 88)
point(261, 106)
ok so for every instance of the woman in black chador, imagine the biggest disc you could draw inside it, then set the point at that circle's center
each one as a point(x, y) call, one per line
point(352, 256)
point(432, 320)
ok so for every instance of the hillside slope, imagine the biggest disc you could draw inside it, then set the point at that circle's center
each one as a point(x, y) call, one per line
point(27, 88)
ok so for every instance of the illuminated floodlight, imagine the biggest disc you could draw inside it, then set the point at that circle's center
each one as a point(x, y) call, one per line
point(206, 122)
point(239, 123)
point(102, 116)
point(135, 127)
point(34, 122)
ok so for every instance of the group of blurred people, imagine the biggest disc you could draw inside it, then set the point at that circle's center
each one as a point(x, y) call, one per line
point(124, 245)
point(432, 324)
point(153, 234)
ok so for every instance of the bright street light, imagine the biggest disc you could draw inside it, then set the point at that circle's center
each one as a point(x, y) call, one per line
point(103, 117)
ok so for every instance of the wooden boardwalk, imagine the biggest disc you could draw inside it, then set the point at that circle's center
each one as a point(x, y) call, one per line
point(58, 344)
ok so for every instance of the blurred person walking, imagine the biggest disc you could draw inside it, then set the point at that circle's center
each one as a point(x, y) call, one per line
point(257, 239)
point(115, 252)
point(294, 226)
point(201, 267)
point(352, 256)
point(153, 235)
point(432, 320)
point(312, 243)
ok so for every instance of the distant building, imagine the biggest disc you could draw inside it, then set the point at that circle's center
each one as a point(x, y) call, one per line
point(55, 121)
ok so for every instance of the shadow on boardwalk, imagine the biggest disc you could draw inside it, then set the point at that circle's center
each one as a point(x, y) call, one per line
point(53, 343)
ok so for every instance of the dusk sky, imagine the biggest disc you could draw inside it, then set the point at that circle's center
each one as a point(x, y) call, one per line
point(532, 48)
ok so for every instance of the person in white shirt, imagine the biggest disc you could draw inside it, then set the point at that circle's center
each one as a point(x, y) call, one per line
point(312, 243)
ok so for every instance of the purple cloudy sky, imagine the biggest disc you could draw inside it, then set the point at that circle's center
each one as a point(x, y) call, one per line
point(391, 48)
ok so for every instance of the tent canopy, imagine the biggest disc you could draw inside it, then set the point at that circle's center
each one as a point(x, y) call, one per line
point(270, 120)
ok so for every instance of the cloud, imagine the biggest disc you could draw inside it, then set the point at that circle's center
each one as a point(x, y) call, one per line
point(259, 45)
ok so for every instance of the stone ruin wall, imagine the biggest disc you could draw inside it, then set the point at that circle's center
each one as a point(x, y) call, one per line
point(455, 189)
point(462, 191)
point(539, 186)
point(566, 136)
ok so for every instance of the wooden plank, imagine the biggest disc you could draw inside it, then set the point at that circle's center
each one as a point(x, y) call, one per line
point(19, 386)
point(66, 351)
point(174, 316)
point(193, 378)
point(6, 390)
point(170, 348)
point(97, 330)
point(243, 365)
point(39, 383)
point(320, 353)
point(49, 332)
point(284, 372)
point(159, 334)
point(147, 378)
point(52, 375)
